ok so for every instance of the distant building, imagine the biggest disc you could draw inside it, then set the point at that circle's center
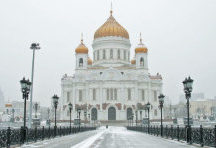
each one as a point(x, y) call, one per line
point(202, 109)
point(194, 96)
point(1, 101)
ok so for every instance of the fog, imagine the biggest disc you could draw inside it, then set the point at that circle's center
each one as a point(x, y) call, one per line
point(180, 36)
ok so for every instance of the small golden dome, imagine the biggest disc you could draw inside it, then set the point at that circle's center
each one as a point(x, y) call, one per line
point(141, 48)
point(111, 28)
point(81, 48)
point(133, 61)
point(89, 61)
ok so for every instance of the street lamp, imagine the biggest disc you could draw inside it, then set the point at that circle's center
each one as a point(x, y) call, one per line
point(13, 111)
point(161, 102)
point(25, 88)
point(148, 106)
point(70, 106)
point(79, 111)
point(85, 115)
point(132, 118)
point(141, 116)
point(34, 46)
point(188, 83)
point(55, 104)
point(136, 117)
point(48, 116)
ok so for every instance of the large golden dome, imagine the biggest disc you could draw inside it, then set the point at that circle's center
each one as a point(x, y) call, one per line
point(111, 28)
point(81, 48)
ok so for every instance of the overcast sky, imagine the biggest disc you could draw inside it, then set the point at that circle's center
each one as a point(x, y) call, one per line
point(180, 36)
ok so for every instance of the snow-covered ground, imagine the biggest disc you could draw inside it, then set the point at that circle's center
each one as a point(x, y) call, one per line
point(113, 137)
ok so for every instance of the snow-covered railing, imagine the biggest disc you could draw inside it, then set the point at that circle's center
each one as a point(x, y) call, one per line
point(10, 136)
point(200, 135)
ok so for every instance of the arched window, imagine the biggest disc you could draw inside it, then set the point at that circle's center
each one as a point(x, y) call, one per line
point(98, 55)
point(94, 94)
point(111, 113)
point(129, 113)
point(81, 62)
point(115, 94)
point(129, 93)
point(111, 53)
point(104, 54)
point(94, 55)
point(107, 93)
point(111, 94)
point(118, 54)
point(155, 112)
point(142, 62)
point(94, 114)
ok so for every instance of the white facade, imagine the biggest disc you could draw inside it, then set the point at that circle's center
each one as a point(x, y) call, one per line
point(111, 83)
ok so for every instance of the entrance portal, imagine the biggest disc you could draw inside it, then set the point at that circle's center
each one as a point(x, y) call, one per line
point(111, 113)
point(129, 113)
point(94, 114)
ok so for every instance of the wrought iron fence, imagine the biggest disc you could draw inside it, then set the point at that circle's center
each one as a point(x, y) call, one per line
point(10, 136)
point(200, 135)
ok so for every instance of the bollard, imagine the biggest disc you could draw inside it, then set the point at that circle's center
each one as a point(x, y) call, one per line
point(166, 131)
point(215, 135)
point(178, 132)
point(49, 132)
point(171, 134)
point(201, 136)
point(8, 137)
point(35, 134)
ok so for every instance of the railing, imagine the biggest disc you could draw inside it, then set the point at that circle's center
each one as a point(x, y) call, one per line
point(10, 136)
point(200, 135)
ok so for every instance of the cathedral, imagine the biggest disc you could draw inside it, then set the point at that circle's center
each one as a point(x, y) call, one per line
point(110, 86)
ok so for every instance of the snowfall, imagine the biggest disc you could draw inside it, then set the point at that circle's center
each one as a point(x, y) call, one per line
point(113, 137)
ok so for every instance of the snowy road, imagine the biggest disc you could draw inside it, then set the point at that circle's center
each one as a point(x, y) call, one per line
point(113, 137)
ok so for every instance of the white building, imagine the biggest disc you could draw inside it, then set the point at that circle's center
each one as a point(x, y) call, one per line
point(111, 87)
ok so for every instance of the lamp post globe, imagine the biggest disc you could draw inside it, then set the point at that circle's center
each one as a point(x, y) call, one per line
point(161, 102)
point(25, 88)
point(70, 106)
point(55, 104)
point(188, 87)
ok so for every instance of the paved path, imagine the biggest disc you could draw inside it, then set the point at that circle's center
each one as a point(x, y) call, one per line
point(113, 137)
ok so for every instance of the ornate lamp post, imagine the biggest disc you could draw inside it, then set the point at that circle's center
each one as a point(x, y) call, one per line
point(188, 83)
point(13, 111)
point(79, 111)
point(161, 102)
point(55, 104)
point(25, 88)
point(141, 117)
point(148, 106)
point(48, 116)
point(136, 117)
point(132, 118)
point(34, 46)
point(70, 106)
point(85, 115)
point(89, 118)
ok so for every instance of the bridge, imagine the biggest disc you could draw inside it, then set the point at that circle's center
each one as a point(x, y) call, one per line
point(111, 137)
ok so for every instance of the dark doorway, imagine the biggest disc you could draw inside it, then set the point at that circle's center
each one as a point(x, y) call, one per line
point(129, 113)
point(94, 114)
point(111, 113)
